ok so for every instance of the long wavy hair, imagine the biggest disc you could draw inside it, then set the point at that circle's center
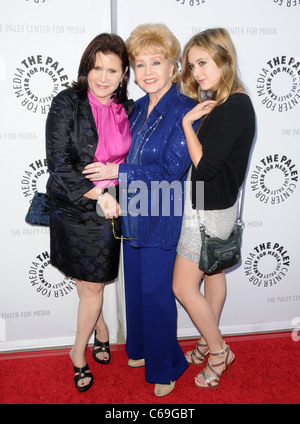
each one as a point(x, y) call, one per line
point(218, 44)
point(107, 44)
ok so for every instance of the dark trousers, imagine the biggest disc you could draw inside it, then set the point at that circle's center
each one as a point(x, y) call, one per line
point(151, 313)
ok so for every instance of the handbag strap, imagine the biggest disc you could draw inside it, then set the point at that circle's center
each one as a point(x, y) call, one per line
point(241, 208)
point(239, 219)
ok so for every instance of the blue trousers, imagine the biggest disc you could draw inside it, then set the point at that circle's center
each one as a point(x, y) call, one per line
point(151, 313)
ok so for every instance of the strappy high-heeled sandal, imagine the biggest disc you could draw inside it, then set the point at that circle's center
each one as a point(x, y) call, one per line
point(80, 374)
point(198, 355)
point(212, 381)
point(101, 347)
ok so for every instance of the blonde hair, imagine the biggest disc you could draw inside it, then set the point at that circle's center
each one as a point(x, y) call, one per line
point(154, 38)
point(218, 44)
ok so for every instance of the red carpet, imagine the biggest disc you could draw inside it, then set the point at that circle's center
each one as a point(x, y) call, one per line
point(266, 371)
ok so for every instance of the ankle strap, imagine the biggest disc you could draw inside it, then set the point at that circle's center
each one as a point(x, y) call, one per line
point(222, 352)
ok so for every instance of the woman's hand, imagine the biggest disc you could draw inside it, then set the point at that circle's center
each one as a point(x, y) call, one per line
point(97, 171)
point(198, 111)
point(195, 148)
point(110, 208)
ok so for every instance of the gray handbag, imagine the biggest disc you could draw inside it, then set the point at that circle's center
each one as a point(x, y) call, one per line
point(217, 254)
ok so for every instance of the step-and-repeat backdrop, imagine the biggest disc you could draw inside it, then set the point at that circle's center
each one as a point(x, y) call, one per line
point(41, 43)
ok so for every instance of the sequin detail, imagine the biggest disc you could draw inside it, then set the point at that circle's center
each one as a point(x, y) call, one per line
point(142, 144)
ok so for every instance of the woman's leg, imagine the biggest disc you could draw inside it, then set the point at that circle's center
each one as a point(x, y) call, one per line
point(90, 304)
point(102, 331)
point(215, 291)
point(165, 361)
point(134, 303)
point(102, 335)
point(151, 313)
point(186, 281)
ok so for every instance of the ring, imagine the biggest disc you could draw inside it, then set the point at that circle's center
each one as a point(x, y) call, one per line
point(98, 175)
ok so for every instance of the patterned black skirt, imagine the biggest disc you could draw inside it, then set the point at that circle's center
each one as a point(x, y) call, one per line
point(82, 244)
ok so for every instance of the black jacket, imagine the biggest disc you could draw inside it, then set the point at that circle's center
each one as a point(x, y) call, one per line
point(226, 137)
point(71, 141)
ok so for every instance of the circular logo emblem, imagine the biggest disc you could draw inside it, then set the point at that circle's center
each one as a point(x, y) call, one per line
point(287, 3)
point(278, 83)
point(34, 178)
point(267, 264)
point(274, 180)
point(191, 2)
point(47, 280)
point(37, 80)
point(37, 1)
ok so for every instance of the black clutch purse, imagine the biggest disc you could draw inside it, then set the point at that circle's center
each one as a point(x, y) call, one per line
point(39, 210)
point(217, 254)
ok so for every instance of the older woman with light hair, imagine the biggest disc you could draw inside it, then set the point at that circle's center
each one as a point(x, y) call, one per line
point(158, 157)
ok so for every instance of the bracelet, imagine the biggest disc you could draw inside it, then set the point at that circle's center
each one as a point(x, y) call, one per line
point(100, 196)
point(105, 190)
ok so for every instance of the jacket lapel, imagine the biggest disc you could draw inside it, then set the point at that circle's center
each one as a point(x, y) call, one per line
point(88, 122)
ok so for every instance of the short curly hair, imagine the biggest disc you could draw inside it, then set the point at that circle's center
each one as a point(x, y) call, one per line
point(154, 38)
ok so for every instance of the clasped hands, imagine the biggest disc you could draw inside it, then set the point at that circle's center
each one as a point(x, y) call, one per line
point(110, 208)
point(97, 171)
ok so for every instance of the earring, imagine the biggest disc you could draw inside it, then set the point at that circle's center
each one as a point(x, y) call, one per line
point(121, 83)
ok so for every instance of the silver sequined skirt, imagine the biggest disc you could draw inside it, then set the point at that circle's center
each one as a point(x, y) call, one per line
point(218, 223)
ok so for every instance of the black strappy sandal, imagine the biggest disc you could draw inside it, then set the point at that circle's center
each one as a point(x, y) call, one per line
point(101, 347)
point(83, 373)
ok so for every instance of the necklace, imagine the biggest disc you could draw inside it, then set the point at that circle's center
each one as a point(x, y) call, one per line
point(133, 125)
point(153, 128)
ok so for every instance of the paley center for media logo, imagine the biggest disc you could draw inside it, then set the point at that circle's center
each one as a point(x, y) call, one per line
point(287, 3)
point(274, 179)
point(36, 1)
point(37, 80)
point(47, 280)
point(278, 83)
point(34, 178)
point(190, 2)
point(267, 264)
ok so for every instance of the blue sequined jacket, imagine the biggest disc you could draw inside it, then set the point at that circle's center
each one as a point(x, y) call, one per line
point(152, 178)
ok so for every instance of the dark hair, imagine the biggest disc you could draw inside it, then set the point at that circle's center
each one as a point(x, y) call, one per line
point(107, 44)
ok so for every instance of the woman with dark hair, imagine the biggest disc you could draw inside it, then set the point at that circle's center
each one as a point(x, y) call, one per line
point(88, 122)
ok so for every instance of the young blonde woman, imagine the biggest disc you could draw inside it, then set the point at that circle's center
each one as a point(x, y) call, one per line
point(219, 151)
